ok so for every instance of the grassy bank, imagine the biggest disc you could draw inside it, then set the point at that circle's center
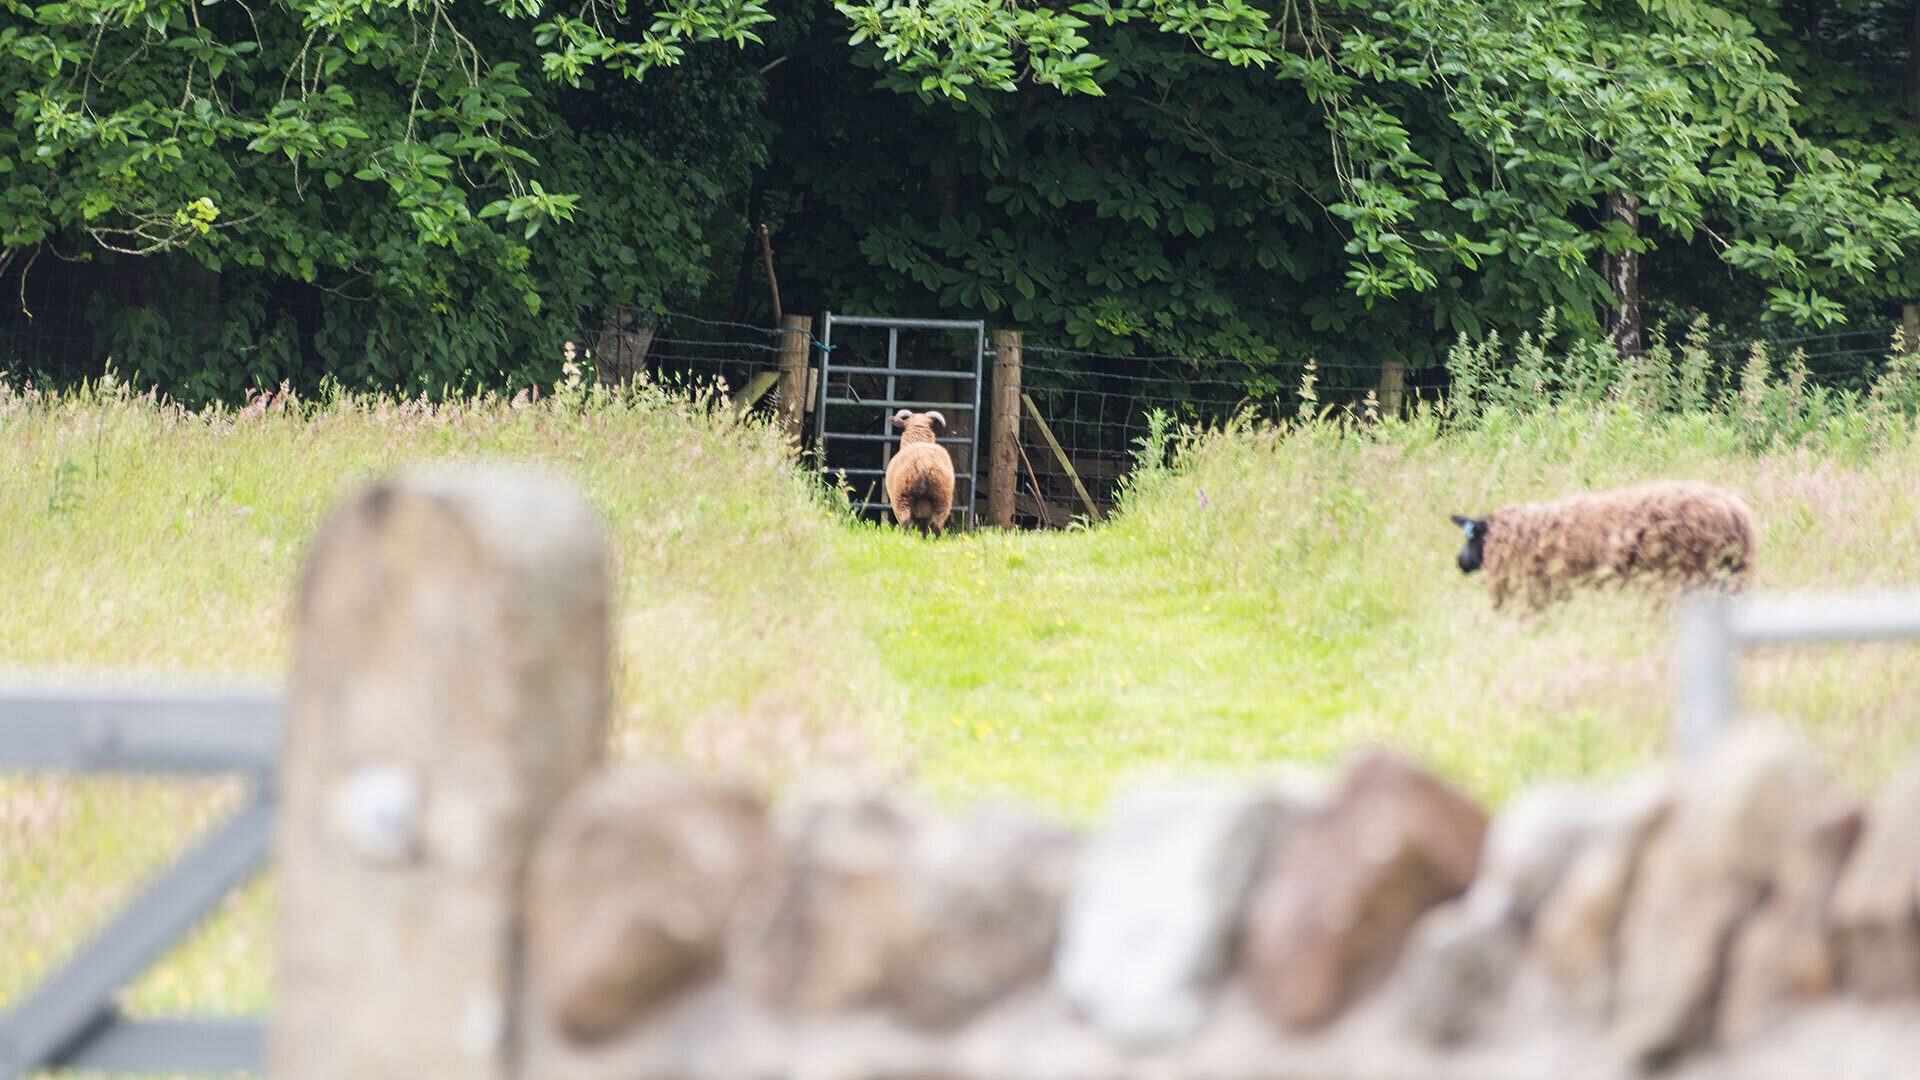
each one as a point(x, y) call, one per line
point(1274, 597)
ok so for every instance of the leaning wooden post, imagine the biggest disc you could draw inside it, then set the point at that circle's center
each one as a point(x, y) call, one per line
point(449, 685)
point(796, 333)
point(1003, 450)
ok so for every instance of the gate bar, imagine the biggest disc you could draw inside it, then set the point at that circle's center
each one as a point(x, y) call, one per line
point(908, 324)
point(857, 436)
point(894, 403)
point(198, 1047)
point(1711, 631)
point(931, 373)
point(168, 731)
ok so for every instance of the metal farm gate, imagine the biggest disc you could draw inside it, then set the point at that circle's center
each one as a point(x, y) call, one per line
point(71, 1019)
point(864, 378)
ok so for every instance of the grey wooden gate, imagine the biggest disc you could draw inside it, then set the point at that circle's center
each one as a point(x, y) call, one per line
point(858, 399)
point(70, 1019)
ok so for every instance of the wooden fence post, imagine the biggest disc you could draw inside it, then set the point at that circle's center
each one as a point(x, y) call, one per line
point(449, 685)
point(796, 334)
point(1003, 450)
point(1393, 387)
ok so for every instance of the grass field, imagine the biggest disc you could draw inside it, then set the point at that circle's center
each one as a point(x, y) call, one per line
point(1276, 597)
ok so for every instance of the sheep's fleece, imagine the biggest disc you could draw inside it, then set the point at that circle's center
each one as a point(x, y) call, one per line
point(1671, 532)
point(919, 478)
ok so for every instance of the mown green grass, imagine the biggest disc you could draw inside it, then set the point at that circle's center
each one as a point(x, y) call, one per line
point(1277, 597)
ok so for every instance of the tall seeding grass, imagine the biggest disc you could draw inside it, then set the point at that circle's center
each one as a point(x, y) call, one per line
point(1266, 594)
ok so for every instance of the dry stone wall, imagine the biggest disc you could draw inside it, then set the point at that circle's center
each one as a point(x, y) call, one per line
point(468, 894)
point(1740, 918)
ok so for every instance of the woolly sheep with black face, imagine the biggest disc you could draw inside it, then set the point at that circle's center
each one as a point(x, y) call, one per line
point(1670, 533)
point(1473, 553)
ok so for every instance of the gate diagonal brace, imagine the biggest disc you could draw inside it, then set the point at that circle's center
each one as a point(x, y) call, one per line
point(71, 1018)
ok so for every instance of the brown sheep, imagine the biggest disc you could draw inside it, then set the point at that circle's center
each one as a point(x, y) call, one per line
point(1671, 532)
point(920, 476)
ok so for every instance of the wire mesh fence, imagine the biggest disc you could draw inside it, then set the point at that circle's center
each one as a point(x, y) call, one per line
point(1084, 414)
point(1087, 414)
point(52, 342)
point(688, 351)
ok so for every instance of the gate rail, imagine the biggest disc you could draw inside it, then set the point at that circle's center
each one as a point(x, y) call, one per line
point(1711, 632)
point(70, 1020)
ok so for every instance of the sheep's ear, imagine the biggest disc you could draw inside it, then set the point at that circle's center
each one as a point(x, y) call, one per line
point(1467, 525)
point(937, 418)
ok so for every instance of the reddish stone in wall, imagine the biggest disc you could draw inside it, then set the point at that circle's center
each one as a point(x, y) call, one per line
point(1341, 896)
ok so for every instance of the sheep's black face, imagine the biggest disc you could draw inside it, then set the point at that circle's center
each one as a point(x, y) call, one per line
point(1475, 549)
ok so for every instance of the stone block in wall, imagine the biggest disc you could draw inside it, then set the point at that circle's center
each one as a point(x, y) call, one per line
point(1455, 970)
point(1454, 973)
point(1839, 1038)
point(1572, 937)
point(1150, 926)
point(1533, 841)
point(631, 890)
point(1341, 894)
point(1784, 954)
point(1703, 874)
point(1876, 905)
point(982, 895)
point(815, 937)
point(875, 904)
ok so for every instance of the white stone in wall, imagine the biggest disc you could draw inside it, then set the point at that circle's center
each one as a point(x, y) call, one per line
point(1148, 928)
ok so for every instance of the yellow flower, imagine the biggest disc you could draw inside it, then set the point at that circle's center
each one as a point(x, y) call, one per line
point(1062, 623)
point(981, 731)
point(1046, 696)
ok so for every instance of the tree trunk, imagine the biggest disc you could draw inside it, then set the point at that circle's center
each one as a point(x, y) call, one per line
point(620, 346)
point(1815, 10)
point(1623, 276)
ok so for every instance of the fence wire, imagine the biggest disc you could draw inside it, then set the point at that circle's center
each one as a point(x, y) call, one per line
point(1088, 414)
point(1084, 413)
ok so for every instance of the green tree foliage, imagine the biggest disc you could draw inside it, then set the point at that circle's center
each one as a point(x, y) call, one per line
point(417, 193)
point(1857, 77)
point(1462, 149)
point(363, 188)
